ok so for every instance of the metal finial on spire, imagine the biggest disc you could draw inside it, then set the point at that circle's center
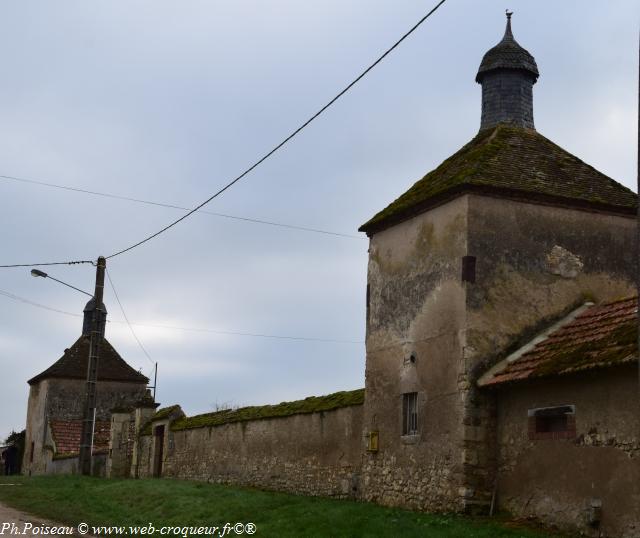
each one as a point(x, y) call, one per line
point(508, 35)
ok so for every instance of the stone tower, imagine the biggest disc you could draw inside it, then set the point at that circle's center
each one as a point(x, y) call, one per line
point(502, 238)
point(56, 405)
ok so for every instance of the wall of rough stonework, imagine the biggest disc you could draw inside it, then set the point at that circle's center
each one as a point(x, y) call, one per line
point(558, 480)
point(313, 454)
point(34, 460)
point(64, 399)
point(534, 263)
point(416, 308)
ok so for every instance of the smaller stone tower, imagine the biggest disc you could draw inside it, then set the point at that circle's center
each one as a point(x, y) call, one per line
point(56, 405)
point(507, 75)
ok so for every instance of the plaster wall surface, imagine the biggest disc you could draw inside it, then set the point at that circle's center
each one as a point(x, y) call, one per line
point(534, 263)
point(35, 457)
point(416, 307)
point(311, 454)
point(557, 480)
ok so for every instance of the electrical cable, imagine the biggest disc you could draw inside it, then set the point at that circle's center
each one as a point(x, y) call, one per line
point(283, 142)
point(47, 263)
point(190, 329)
point(32, 303)
point(135, 336)
point(173, 206)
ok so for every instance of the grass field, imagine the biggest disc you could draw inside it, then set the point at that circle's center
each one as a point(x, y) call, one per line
point(73, 499)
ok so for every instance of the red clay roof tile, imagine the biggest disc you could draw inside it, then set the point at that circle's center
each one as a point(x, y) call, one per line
point(601, 336)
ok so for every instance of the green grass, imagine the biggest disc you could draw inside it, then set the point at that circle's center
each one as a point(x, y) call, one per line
point(73, 499)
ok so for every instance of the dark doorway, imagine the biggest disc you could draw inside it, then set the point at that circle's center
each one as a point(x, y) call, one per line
point(158, 450)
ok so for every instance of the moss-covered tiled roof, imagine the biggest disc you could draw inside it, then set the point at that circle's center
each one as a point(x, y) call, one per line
point(509, 161)
point(161, 414)
point(313, 404)
point(601, 336)
point(73, 364)
point(164, 412)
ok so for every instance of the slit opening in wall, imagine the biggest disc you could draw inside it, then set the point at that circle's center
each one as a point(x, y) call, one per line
point(469, 269)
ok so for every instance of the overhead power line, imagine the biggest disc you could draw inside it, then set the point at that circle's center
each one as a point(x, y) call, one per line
point(264, 157)
point(47, 263)
point(173, 206)
point(38, 305)
point(286, 140)
point(135, 336)
point(189, 329)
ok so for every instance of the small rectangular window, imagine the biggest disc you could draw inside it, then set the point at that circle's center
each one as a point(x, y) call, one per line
point(552, 423)
point(410, 413)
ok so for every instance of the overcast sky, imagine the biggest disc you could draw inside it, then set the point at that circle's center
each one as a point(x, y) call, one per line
point(167, 101)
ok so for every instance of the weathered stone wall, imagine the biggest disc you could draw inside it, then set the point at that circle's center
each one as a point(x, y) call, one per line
point(121, 441)
point(311, 454)
point(35, 457)
point(557, 480)
point(415, 341)
point(66, 398)
point(534, 263)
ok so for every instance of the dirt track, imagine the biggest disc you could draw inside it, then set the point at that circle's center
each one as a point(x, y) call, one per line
point(16, 523)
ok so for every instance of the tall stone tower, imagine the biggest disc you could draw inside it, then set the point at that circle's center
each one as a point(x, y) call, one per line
point(56, 405)
point(503, 237)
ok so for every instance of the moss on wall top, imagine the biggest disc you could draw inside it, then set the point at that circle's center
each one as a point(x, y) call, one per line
point(161, 414)
point(164, 412)
point(313, 404)
point(505, 159)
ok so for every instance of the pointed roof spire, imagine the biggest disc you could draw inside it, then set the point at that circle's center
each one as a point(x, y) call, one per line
point(507, 32)
point(508, 54)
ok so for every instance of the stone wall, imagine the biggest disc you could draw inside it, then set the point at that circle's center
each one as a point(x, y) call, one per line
point(415, 342)
point(64, 399)
point(313, 454)
point(534, 263)
point(562, 481)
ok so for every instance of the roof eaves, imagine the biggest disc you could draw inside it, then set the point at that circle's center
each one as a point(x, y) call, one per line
point(487, 378)
point(372, 227)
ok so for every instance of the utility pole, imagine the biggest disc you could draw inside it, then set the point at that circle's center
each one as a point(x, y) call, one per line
point(97, 334)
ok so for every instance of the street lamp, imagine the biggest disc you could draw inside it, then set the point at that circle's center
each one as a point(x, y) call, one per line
point(37, 273)
point(97, 334)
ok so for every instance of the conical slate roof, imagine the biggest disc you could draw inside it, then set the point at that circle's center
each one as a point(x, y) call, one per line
point(73, 364)
point(507, 54)
point(510, 162)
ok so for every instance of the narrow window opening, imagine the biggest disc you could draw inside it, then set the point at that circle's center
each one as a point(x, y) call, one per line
point(469, 269)
point(368, 298)
point(31, 452)
point(410, 413)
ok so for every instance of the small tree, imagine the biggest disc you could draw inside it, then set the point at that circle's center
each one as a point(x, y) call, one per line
point(17, 440)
